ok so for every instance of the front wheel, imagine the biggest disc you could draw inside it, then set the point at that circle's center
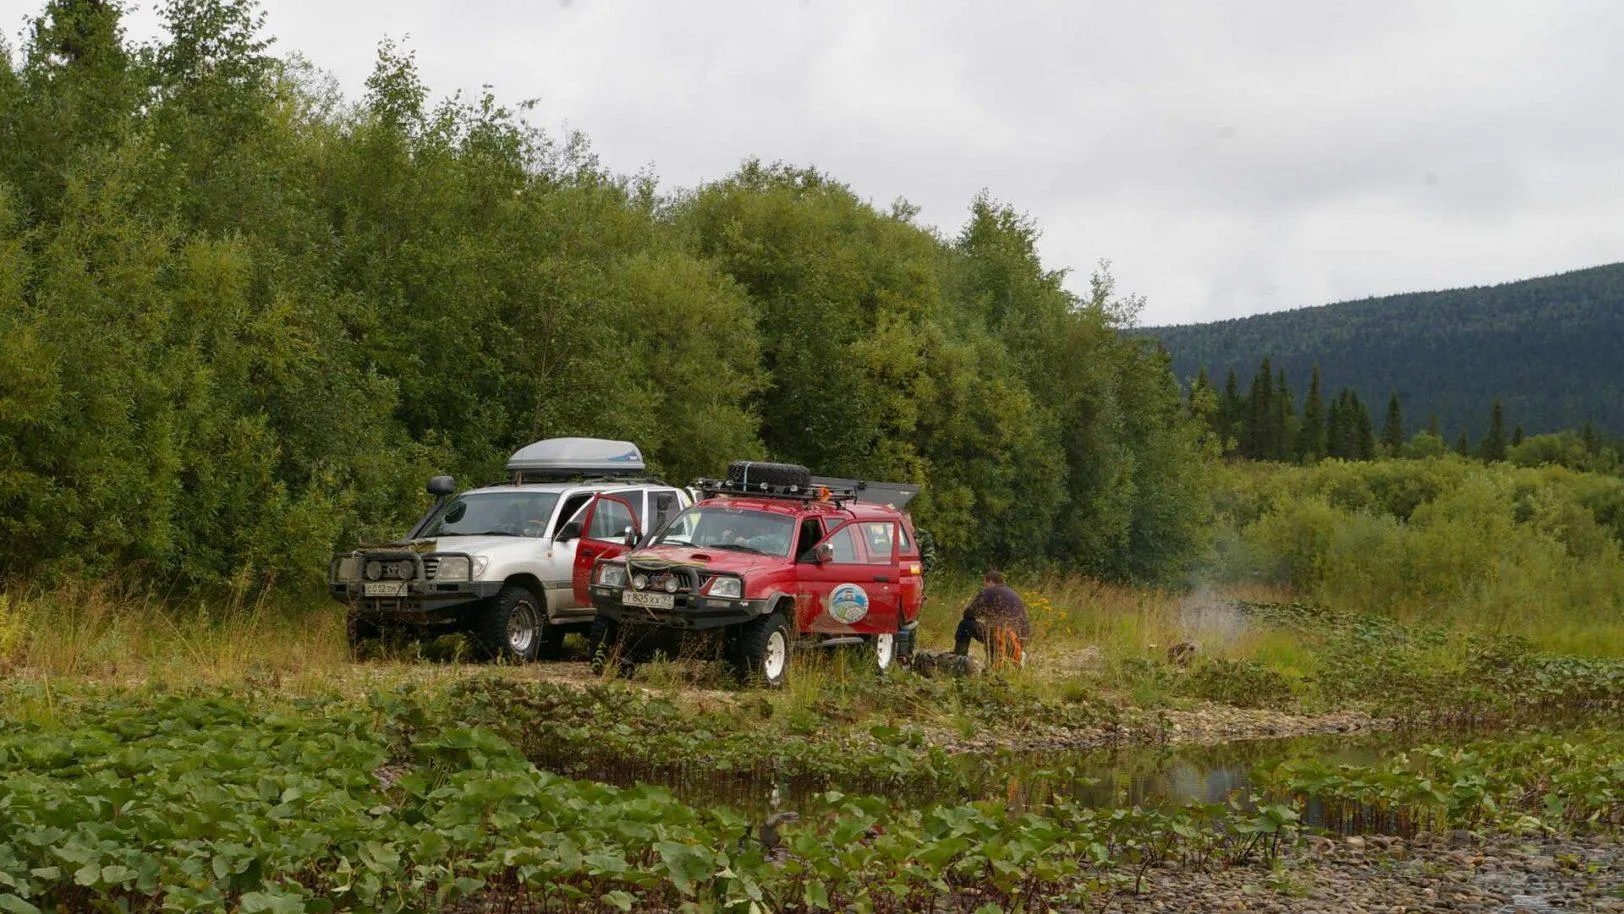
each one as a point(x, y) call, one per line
point(358, 629)
point(512, 627)
point(761, 650)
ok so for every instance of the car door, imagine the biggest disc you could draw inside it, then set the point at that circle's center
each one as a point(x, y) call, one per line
point(879, 539)
point(604, 525)
point(837, 596)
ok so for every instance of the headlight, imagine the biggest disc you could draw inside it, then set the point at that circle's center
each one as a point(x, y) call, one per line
point(612, 575)
point(454, 568)
point(349, 569)
point(730, 588)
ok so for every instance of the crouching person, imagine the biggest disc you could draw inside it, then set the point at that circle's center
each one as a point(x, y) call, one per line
point(997, 618)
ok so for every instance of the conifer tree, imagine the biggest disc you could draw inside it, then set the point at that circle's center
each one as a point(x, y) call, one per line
point(1463, 446)
point(1363, 446)
point(1336, 427)
point(1259, 413)
point(1230, 411)
point(1310, 444)
point(1283, 422)
point(1432, 426)
point(1517, 435)
point(1393, 426)
point(1494, 446)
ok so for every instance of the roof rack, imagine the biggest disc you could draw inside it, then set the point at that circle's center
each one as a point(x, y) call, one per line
point(766, 490)
point(524, 477)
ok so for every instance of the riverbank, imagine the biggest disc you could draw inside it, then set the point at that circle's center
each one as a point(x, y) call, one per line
point(1427, 873)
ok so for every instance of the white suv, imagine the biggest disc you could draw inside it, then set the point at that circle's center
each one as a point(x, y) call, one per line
point(500, 562)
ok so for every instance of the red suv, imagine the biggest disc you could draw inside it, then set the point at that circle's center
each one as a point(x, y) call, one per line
point(771, 559)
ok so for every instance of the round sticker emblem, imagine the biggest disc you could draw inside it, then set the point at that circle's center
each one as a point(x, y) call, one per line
point(848, 603)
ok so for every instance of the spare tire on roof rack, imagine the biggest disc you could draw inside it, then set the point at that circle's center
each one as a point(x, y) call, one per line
point(752, 473)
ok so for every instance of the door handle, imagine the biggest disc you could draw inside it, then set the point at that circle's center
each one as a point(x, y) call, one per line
point(883, 578)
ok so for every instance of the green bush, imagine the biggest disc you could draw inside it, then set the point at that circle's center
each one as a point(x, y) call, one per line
point(1445, 539)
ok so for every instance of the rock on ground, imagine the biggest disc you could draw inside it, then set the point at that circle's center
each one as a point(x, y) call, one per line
point(1379, 874)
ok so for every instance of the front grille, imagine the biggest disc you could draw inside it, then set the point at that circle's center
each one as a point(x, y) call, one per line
point(431, 567)
point(389, 568)
point(687, 578)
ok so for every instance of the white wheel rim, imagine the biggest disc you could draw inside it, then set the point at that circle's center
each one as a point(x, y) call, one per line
point(883, 646)
point(521, 628)
point(772, 662)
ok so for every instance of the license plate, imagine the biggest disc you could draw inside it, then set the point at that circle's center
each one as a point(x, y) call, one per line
point(384, 589)
point(651, 600)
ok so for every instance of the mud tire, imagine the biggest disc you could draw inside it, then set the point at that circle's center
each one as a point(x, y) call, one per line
point(358, 630)
point(760, 652)
point(742, 472)
point(513, 626)
point(607, 650)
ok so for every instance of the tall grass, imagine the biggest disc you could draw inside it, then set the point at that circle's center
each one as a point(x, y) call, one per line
point(92, 631)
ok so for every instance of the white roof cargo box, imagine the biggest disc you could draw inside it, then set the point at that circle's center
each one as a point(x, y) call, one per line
point(566, 457)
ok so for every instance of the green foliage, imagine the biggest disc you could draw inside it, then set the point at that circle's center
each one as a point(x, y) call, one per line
point(138, 801)
point(1241, 683)
point(191, 803)
point(1432, 674)
point(1546, 347)
point(242, 318)
point(1534, 550)
point(1523, 784)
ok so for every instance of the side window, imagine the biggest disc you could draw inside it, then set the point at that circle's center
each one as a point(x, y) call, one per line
point(905, 545)
point(665, 507)
point(845, 546)
point(811, 532)
point(571, 510)
point(879, 538)
point(609, 520)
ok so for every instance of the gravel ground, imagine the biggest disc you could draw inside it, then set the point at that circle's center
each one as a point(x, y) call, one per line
point(1374, 874)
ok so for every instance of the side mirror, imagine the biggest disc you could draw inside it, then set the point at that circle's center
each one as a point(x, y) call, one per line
point(630, 537)
point(570, 531)
point(442, 486)
point(824, 553)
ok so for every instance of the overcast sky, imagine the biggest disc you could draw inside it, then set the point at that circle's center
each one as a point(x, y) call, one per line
point(1261, 156)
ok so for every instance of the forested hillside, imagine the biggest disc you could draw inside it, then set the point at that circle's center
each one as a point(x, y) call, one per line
point(242, 318)
point(1548, 349)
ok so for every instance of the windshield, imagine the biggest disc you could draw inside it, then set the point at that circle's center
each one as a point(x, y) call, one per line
point(742, 529)
point(494, 514)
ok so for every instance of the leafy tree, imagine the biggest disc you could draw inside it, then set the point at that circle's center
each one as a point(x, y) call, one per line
point(242, 318)
point(1424, 445)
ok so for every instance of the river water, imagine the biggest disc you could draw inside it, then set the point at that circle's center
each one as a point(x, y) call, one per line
point(1121, 776)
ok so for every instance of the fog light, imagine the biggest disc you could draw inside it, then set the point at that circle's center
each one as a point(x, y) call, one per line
point(374, 570)
point(639, 581)
point(671, 585)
